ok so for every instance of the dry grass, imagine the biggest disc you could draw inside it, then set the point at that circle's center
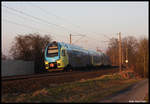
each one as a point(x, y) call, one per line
point(91, 90)
point(43, 92)
point(146, 98)
point(33, 84)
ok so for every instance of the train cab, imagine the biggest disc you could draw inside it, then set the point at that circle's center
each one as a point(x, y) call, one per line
point(54, 56)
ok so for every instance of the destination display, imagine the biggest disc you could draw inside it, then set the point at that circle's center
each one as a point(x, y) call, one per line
point(53, 51)
point(54, 47)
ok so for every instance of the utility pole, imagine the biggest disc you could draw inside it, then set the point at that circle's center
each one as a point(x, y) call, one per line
point(113, 57)
point(74, 35)
point(120, 56)
point(126, 55)
point(144, 66)
point(70, 38)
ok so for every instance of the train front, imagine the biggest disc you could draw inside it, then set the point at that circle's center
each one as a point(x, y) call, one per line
point(52, 57)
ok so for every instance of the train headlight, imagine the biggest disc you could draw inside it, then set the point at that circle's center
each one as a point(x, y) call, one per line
point(46, 62)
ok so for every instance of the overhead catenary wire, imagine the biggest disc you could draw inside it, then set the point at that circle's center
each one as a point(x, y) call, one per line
point(37, 18)
point(21, 16)
point(31, 20)
point(45, 21)
point(50, 13)
point(78, 39)
point(23, 25)
point(29, 27)
point(32, 16)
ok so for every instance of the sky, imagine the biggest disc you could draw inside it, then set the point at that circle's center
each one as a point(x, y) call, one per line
point(97, 21)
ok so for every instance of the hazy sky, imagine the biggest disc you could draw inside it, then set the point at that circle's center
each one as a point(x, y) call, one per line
point(99, 21)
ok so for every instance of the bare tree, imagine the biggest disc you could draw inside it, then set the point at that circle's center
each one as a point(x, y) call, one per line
point(4, 57)
point(143, 57)
point(112, 51)
point(129, 47)
point(129, 43)
point(30, 47)
point(136, 52)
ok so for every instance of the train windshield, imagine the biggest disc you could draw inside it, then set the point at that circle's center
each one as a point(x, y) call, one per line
point(52, 50)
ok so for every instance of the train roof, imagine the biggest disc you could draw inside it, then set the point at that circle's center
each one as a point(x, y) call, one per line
point(75, 47)
point(72, 47)
point(95, 52)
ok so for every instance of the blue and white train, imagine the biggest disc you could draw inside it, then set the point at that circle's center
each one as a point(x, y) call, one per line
point(62, 56)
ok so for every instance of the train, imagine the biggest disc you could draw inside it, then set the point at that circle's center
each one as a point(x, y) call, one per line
point(63, 56)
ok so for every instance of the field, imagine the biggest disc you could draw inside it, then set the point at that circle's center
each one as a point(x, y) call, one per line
point(85, 90)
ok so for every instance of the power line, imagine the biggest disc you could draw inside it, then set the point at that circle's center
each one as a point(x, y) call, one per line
point(32, 20)
point(29, 15)
point(61, 18)
point(50, 13)
point(75, 35)
point(23, 16)
point(37, 18)
point(26, 26)
point(20, 24)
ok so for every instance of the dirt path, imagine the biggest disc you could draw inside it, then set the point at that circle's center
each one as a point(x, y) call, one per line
point(135, 93)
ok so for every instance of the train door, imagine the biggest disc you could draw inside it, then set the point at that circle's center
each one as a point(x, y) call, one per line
point(64, 57)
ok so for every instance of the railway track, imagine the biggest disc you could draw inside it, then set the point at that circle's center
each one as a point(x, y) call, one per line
point(20, 77)
point(29, 83)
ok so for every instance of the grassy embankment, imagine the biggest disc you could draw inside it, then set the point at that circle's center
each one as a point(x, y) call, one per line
point(146, 98)
point(92, 90)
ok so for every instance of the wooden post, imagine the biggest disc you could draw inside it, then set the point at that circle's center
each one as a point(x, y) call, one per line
point(126, 55)
point(70, 39)
point(120, 56)
point(144, 67)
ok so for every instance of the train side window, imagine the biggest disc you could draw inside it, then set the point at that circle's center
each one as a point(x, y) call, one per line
point(66, 46)
point(63, 53)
